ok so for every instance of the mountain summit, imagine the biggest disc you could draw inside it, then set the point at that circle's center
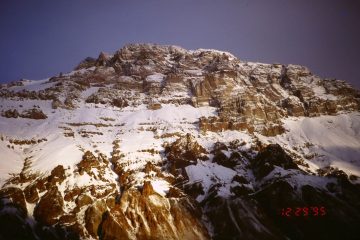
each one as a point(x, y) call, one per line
point(159, 142)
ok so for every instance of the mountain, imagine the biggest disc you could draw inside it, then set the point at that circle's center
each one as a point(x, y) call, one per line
point(159, 142)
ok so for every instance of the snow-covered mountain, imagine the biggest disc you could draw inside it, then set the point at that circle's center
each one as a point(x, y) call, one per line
point(158, 142)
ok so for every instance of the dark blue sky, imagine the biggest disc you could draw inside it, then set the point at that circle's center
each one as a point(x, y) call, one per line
point(39, 39)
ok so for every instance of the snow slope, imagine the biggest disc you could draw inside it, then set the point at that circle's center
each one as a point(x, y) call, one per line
point(328, 140)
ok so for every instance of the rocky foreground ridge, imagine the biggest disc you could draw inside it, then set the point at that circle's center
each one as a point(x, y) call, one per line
point(159, 142)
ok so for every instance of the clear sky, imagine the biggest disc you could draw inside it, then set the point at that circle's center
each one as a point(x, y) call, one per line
point(40, 38)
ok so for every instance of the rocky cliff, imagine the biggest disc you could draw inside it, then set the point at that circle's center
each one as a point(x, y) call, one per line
point(159, 142)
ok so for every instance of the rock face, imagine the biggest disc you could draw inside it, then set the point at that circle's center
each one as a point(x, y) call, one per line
point(249, 96)
point(93, 217)
point(184, 151)
point(159, 142)
point(88, 162)
point(140, 216)
point(57, 175)
point(31, 193)
point(50, 207)
point(272, 155)
point(16, 196)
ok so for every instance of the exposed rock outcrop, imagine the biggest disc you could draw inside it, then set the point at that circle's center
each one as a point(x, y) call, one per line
point(93, 217)
point(183, 152)
point(15, 196)
point(50, 207)
point(33, 114)
point(156, 217)
point(31, 193)
point(272, 155)
point(191, 155)
point(11, 113)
